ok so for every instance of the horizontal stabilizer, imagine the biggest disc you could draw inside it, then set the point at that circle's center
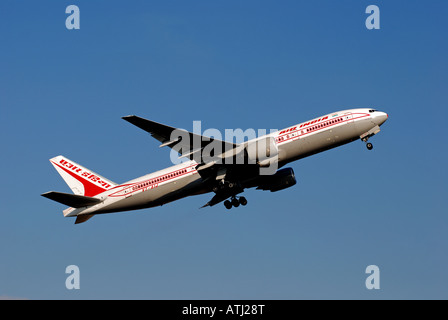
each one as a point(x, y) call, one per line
point(83, 218)
point(72, 200)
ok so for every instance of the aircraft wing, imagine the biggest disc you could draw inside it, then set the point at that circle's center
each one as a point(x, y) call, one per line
point(187, 144)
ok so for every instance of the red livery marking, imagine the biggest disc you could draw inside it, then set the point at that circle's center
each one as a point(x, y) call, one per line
point(90, 189)
point(331, 123)
point(288, 130)
point(313, 122)
point(70, 166)
point(85, 174)
point(153, 182)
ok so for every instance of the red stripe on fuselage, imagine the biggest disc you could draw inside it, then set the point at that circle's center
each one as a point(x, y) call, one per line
point(286, 139)
point(141, 185)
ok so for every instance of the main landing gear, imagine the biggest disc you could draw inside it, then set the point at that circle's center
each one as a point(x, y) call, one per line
point(235, 202)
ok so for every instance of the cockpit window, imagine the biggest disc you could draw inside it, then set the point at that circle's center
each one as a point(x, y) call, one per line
point(372, 110)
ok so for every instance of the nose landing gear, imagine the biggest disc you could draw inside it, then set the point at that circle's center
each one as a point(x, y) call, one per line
point(365, 136)
point(368, 144)
point(235, 202)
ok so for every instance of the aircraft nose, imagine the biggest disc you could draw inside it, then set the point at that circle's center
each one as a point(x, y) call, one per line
point(380, 117)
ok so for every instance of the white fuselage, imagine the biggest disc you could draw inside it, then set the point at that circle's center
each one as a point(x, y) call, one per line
point(293, 143)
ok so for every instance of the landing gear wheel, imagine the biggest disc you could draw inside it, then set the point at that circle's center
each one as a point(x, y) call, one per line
point(228, 204)
point(369, 146)
point(235, 201)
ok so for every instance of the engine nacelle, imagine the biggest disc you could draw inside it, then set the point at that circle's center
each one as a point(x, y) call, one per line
point(282, 179)
point(262, 151)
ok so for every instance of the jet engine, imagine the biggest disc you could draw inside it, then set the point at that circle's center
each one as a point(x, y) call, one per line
point(282, 179)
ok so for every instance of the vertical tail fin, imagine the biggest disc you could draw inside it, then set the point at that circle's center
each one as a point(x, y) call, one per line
point(82, 181)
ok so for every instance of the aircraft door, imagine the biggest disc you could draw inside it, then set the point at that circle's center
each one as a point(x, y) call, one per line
point(128, 192)
point(348, 117)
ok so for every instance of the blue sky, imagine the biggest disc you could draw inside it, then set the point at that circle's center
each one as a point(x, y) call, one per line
point(230, 64)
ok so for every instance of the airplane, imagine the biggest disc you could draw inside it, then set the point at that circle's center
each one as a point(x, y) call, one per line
point(227, 172)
